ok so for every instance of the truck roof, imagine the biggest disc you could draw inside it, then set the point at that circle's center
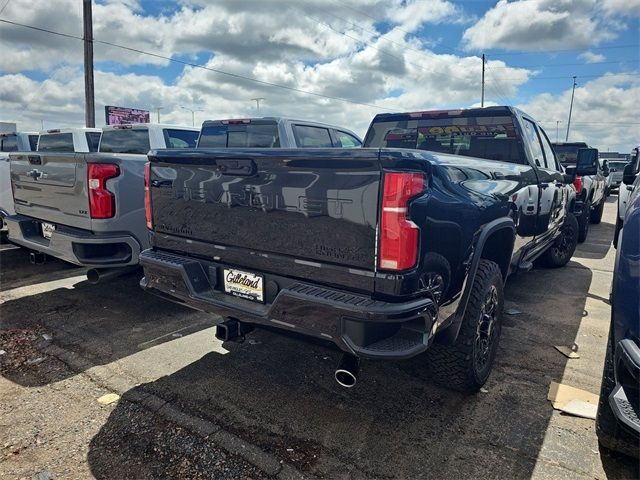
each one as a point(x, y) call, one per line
point(452, 112)
point(69, 130)
point(17, 132)
point(274, 119)
point(148, 125)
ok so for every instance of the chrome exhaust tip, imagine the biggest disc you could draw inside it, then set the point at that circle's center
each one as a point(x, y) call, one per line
point(347, 372)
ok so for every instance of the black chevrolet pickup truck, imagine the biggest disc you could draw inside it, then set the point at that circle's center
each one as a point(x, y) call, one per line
point(386, 251)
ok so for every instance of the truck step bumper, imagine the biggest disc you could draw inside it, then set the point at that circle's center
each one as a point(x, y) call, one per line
point(73, 245)
point(625, 397)
point(356, 323)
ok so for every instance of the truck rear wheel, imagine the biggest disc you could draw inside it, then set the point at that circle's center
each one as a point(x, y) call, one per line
point(596, 215)
point(561, 251)
point(466, 365)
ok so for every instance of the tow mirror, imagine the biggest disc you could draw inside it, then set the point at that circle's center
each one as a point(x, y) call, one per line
point(628, 174)
point(568, 178)
point(605, 168)
point(587, 163)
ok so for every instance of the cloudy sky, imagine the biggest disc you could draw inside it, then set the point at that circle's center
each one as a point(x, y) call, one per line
point(339, 61)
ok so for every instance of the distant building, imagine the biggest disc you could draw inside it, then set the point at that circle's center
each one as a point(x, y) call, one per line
point(615, 156)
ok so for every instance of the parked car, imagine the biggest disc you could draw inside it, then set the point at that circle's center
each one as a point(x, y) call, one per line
point(382, 251)
point(275, 132)
point(614, 180)
point(87, 208)
point(590, 189)
point(618, 418)
point(625, 191)
point(11, 142)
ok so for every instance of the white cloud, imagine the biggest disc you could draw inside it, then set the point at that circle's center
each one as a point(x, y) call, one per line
point(604, 112)
point(534, 25)
point(591, 57)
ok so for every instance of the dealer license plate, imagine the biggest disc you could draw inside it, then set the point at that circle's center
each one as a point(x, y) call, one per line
point(244, 284)
point(47, 229)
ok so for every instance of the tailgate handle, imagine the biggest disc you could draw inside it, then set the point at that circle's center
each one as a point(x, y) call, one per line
point(35, 160)
point(236, 167)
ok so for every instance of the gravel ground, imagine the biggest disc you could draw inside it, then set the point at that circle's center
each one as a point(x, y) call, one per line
point(277, 395)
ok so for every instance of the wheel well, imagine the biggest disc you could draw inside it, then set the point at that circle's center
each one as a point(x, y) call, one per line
point(498, 248)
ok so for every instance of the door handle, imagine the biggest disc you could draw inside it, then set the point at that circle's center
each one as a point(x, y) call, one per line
point(544, 185)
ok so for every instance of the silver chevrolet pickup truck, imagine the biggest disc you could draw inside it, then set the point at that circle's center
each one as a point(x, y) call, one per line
point(86, 207)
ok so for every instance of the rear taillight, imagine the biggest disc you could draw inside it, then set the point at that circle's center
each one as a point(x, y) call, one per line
point(148, 213)
point(399, 236)
point(577, 183)
point(102, 202)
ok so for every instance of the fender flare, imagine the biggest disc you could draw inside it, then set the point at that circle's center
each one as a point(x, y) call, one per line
point(457, 309)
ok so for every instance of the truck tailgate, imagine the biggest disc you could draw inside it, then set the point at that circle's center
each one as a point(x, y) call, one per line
point(51, 187)
point(318, 206)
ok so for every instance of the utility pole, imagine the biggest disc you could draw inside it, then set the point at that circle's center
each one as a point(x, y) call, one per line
point(89, 101)
point(482, 101)
point(258, 100)
point(571, 108)
point(157, 109)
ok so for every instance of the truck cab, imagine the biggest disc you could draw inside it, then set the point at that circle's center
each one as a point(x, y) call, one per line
point(275, 132)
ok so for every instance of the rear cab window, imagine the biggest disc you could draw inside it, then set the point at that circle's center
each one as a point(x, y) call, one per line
point(567, 153)
point(312, 137)
point(176, 138)
point(239, 133)
point(480, 134)
point(56, 142)
point(8, 143)
point(125, 140)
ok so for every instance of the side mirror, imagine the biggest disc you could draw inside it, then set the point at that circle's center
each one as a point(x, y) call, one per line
point(605, 168)
point(628, 174)
point(587, 163)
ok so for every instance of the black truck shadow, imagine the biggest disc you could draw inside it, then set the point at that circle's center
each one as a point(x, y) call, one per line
point(279, 393)
point(101, 323)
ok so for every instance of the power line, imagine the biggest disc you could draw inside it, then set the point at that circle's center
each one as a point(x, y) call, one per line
point(565, 77)
point(564, 50)
point(561, 65)
point(195, 65)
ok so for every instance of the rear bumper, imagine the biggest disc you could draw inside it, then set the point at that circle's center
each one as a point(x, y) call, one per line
point(625, 398)
point(356, 323)
point(73, 245)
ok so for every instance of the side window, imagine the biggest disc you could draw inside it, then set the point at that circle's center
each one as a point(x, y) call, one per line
point(346, 140)
point(9, 143)
point(93, 140)
point(33, 142)
point(180, 138)
point(532, 138)
point(307, 137)
point(549, 154)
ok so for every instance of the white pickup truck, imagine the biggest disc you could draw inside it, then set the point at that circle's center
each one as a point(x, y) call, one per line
point(624, 192)
point(11, 142)
point(86, 206)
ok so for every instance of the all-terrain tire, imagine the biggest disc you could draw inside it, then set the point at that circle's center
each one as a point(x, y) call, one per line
point(466, 365)
point(611, 435)
point(561, 251)
point(583, 222)
point(596, 214)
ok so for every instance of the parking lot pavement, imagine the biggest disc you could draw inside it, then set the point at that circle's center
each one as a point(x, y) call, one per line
point(270, 406)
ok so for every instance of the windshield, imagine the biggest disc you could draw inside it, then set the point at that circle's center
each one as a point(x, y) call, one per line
point(252, 135)
point(616, 166)
point(481, 136)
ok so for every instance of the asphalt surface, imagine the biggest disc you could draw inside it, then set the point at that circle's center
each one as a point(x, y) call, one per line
point(276, 394)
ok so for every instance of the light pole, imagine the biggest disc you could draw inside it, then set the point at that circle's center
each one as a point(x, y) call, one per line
point(193, 114)
point(570, 108)
point(258, 100)
point(157, 109)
